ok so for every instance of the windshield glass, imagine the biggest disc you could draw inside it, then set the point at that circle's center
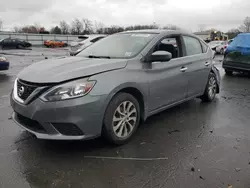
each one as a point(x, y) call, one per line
point(125, 45)
point(214, 42)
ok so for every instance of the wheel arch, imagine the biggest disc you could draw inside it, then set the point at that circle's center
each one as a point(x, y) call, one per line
point(136, 92)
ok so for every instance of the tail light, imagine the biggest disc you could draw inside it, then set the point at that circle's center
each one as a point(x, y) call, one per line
point(225, 46)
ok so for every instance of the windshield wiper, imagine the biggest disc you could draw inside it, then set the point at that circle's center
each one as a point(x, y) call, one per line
point(101, 57)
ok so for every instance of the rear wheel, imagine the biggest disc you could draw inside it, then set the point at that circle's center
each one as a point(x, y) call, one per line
point(211, 89)
point(228, 72)
point(19, 46)
point(121, 119)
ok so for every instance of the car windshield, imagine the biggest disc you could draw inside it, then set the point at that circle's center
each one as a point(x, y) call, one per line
point(215, 42)
point(124, 45)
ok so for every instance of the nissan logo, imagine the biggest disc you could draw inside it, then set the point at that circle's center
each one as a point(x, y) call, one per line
point(20, 91)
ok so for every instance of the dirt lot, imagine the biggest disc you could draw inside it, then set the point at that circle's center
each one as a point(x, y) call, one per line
point(192, 145)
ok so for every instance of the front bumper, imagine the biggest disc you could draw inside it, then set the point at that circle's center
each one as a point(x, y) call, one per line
point(75, 119)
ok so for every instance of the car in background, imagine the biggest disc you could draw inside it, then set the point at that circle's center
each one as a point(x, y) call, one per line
point(218, 46)
point(54, 43)
point(229, 41)
point(237, 55)
point(10, 43)
point(4, 63)
point(112, 85)
point(83, 42)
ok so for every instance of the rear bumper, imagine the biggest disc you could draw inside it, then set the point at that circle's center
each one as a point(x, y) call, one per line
point(4, 65)
point(230, 65)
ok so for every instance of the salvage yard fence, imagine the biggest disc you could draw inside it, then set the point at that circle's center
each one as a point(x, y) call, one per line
point(38, 39)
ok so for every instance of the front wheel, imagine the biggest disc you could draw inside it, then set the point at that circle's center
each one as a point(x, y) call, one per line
point(121, 119)
point(19, 46)
point(211, 89)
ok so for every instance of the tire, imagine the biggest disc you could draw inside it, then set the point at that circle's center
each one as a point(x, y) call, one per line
point(117, 121)
point(228, 72)
point(19, 46)
point(211, 88)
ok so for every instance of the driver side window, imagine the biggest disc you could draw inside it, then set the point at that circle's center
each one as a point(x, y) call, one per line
point(170, 45)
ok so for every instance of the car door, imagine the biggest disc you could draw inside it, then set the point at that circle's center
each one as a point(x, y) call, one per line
point(200, 59)
point(6, 43)
point(168, 80)
point(14, 43)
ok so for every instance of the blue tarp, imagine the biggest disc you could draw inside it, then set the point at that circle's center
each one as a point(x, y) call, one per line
point(241, 44)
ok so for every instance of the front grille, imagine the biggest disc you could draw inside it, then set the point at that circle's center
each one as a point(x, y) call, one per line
point(30, 124)
point(24, 90)
point(68, 129)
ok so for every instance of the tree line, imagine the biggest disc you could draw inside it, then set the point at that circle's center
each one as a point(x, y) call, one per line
point(86, 26)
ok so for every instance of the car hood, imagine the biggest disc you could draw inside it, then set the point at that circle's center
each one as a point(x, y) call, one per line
point(67, 68)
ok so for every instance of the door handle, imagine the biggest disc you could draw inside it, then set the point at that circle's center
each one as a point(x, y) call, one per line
point(183, 69)
point(207, 64)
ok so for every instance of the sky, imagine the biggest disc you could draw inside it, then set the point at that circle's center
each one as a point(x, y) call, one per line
point(187, 14)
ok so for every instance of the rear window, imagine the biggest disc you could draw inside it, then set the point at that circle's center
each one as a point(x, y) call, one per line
point(204, 47)
point(193, 45)
point(80, 40)
point(96, 39)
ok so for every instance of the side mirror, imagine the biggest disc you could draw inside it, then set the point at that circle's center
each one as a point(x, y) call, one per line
point(161, 56)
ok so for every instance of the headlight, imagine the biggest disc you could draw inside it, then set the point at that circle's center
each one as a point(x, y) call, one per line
point(3, 59)
point(69, 90)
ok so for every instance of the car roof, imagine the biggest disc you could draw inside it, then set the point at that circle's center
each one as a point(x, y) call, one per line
point(246, 34)
point(162, 32)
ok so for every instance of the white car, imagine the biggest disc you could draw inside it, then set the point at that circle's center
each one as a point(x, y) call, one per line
point(218, 46)
point(83, 42)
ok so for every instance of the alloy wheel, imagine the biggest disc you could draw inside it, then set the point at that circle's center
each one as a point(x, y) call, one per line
point(124, 119)
point(212, 87)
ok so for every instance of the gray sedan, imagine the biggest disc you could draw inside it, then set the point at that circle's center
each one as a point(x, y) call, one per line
point(113, 85)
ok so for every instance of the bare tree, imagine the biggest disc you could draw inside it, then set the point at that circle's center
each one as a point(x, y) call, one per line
point(99, 27)
point(1, 24)
point(37, 26)
point(88, 26)
point(232, 33)
point(245, 27)
point(64, 27)
point(76, 27)
point(17, 29)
